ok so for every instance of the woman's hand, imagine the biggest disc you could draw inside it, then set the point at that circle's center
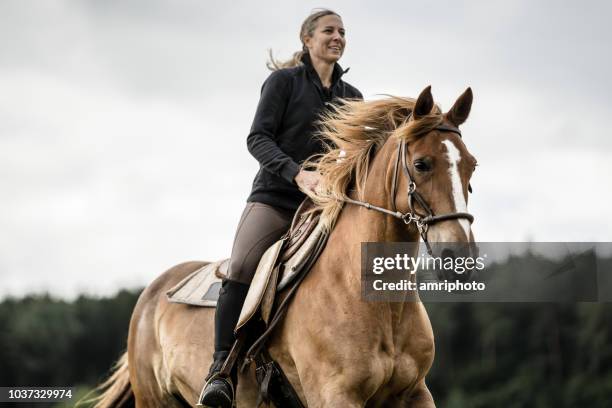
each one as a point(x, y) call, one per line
point(307, 181)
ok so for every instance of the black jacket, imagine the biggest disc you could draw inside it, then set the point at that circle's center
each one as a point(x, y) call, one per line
point(283, 132)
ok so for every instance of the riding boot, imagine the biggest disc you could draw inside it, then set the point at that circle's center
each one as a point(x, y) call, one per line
point(219, 390)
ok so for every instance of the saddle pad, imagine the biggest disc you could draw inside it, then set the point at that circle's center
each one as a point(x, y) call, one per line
point(200, 288)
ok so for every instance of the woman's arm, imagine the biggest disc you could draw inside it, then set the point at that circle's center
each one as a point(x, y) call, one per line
point(262, 141)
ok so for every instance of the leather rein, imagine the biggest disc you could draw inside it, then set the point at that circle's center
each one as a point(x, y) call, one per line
point(422, 222)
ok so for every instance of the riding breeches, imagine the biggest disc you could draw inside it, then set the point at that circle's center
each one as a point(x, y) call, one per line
point(260, 226)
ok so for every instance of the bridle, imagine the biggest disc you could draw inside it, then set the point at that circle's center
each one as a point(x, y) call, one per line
point(422, 222)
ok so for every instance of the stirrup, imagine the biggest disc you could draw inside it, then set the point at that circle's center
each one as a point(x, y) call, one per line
point(217, 376)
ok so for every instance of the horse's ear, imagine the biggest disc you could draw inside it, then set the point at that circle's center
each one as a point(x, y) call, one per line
point(424, 103)
point(461, 109)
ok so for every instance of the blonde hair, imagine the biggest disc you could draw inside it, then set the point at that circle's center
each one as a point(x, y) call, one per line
point(307, 30)
point(352, 133)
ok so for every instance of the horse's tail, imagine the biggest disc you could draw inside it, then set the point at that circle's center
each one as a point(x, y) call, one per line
point(116, 390)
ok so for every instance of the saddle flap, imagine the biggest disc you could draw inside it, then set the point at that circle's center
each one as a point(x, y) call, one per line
point(261, 280)
point(309, 249)
point(267, 301)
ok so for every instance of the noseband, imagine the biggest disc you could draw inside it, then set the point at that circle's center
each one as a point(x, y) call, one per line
point(422, 222)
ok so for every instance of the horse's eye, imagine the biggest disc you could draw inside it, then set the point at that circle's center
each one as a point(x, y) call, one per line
point(422, 166)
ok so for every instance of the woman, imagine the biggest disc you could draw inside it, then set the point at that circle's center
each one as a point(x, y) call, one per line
point(282, 136)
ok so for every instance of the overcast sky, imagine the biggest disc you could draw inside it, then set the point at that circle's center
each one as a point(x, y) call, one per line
point(123, 123)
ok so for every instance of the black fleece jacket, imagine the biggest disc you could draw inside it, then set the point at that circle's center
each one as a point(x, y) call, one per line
point(283, 132)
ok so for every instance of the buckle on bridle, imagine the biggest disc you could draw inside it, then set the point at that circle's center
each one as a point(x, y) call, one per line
point(422, 226)
point(410, 217)
point(407, 218)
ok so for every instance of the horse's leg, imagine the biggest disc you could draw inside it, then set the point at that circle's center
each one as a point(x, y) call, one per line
point(327, 355)
point(336, 400)
point(149, 376)
point(420, 397)
point(186, 336)
point(322, 378)
point(318, 381)
point(181, 339)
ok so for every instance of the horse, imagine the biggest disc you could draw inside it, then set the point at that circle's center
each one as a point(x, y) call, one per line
point(336, 349)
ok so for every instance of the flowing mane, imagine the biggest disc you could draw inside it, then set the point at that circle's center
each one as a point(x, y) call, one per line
point(352, 134)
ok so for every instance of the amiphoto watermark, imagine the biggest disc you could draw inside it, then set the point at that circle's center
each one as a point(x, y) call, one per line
point(487, 272)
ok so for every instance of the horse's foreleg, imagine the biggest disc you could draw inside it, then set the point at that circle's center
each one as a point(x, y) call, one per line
point(335, 400)
point(420, 397)
point(336, 391)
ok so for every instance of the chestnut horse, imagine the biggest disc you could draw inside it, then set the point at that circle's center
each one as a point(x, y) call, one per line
point(336, 349)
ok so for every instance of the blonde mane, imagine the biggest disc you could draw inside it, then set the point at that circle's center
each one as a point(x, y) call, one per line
point(352, 134)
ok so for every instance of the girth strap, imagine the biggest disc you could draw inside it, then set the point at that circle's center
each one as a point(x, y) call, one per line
point(273, 384)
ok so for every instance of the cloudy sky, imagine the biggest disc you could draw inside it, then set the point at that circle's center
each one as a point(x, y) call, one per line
point(123, 123)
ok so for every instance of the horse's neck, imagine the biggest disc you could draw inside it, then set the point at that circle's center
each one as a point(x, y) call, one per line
point(357, 224)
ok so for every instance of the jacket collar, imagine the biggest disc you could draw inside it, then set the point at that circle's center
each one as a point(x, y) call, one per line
point(336, 74)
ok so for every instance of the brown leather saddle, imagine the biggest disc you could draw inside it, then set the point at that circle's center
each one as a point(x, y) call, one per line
point(299, 242)
point(304, 222)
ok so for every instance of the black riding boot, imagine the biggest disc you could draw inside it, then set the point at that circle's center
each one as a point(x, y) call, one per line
point(219, 391)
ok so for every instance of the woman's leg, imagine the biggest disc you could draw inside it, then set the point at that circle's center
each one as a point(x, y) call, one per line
point(260, 226)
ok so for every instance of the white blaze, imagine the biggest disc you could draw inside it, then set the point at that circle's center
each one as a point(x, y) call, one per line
point(454, 156)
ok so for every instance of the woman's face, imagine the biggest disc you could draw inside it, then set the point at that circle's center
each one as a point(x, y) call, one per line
point(327, 42)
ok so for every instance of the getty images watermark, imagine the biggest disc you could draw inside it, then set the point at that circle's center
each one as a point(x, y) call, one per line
point(410, 265)
point(487, 272)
